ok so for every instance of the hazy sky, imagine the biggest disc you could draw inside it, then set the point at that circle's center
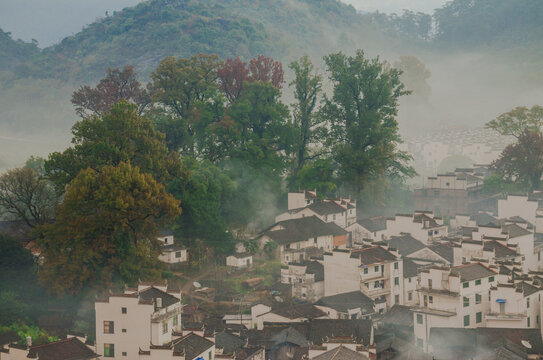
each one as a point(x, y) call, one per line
point(49, 21)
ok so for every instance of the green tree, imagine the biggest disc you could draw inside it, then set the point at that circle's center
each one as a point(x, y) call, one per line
point(105, 230)
point(317, 175)
point(516, 121)
point(415, 76)
point(310, 129)
point(121, 135)
point(362, 114)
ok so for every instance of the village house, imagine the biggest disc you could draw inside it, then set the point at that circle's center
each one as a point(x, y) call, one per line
point(451, 297)
point(284, 313)
point(528, 207)
point(306, 279)
point(375, 271)
point(373, 229)
point(295, 237)
point(299, 200)
point(133, 321)
point(171, 253)
point(351, 305)
point(184, 346)
point(66, 349)
point(240, 260)
point(422, 225)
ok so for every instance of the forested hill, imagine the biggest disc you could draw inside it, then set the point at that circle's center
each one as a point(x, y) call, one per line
point(144, 34)
point(14, 51)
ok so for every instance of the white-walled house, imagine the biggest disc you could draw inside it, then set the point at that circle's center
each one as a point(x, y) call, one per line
point(514, 305)
point(136, 319)
point(170, 252)
point(368, 229)
point(452, 297)
point(240, 260)
point(301, 199)
point(422, 225)
point(350, 305)
point(306, 279)
point(525, 206)
point(284, 313)
point(341, 211)
point(65, 349)
point(189, 346)
point(166, 237)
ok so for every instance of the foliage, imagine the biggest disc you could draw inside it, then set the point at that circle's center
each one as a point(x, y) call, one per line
point(414, 76)
point(318, 175)
point(522, 162)
point(119, 136)
point(495, 184)
point(518, 120)
point(116, 86)
point(270, 247)
point(362, 113)
point(13, 52)
point(105, 230)
point(27, 197)
point(38, 335)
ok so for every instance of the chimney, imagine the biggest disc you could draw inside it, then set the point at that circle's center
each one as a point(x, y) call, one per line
point(28, 341)
point(159, 303)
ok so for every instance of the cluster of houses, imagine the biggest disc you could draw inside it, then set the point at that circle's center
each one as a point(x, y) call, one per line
point(412, 286)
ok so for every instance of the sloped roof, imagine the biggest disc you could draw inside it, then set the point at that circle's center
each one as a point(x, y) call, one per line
point(68, 349)
point(322, 330)
point(499, 249)
point(191, 345)
point(443, 250)
point(302, 229)
point(399, 315)
point(290, 335)
point(470, 272)
point(526, 289)
point(405, 244)
point(410, 268)
point(296, 311)
point(340, 353)
point(482, 218)
point(373, 255)
point(349, 300)
point(152, 293)
point(228, 342)
point(373, 224)
point(316, 268)
point(513, 230)
point(326, 208)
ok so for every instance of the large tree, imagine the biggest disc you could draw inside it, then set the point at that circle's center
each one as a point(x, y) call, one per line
point(120, 135)
point(105, 230)
point(522, 162)
point(116, 86)
point(362, 112)
point(517, 121)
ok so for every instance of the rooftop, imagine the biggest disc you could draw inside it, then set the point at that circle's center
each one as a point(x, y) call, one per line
point(295, 230)
point(373, 255)
point(347, 301)
point(469, 272)
point(68, 349)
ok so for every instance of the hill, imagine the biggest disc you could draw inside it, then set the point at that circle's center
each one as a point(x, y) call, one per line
point(13, 51)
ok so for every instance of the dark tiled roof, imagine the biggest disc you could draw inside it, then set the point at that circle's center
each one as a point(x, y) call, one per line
point(8, 337)
point(499, 249)
point(228, 342)
point(373, 224)
point(321, 330)
point(470, 272)
point(172, 247)
point(527, 289)
point(482, 218)
point(513, 230)
point(68, 349)
point(346, 301)
point(191, 345)
point(468, 230)
point(373, 255)
point(405, 244)
point(399, 315)
point(165, 232)
point(410, 268)
point(340, 353)
point(289, 335)
point(152, 293)
point(315, 267)
point(443, 250)
point(302, 229)
point(326, 208)
point(296, 311)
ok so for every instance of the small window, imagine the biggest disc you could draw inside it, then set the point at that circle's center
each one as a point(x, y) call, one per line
point(109, 350)
point(465, 285)
point(376, 285)
point(396, 281)
point(395, 266)
point(528, 319)
point(123, 310)
point(466, 320)
point(420, 343)
point(365, 270)
point(479, 317)
point(124, 353)
point(478, 282)
point(429, 283)
point(431, 299)
point(175, 321)
point(334, 217)
point(376, 269)
point(410, 296)
point(109, 327)
point(419, 319)
point(178, 254)
point(528, 303)
point(491, 279)
point(123, 330)
point(164, 327)
point(396, 299)
point(466, 301)
point(478, 298)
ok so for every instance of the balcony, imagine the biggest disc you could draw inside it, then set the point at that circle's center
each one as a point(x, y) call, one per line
point(505, 316)
point(437, 291)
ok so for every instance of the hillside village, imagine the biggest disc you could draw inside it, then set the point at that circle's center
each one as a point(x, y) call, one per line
point(412, 286)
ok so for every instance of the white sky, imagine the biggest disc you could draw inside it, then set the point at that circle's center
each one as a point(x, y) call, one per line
point(397, 6)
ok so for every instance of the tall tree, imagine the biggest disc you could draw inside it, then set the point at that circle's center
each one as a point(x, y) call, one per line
point(362, 114)
point(25, 196)
point(120, 135)
point(517, 121)
point(105, 230)
point(310, 129)
point(232, 74)
point(116, 86)
point(523, 162)
point(266, 69)
point(414, 76)
point(180, 87)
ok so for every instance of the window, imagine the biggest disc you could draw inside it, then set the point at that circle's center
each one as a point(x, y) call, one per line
point(466, 320)
point(376, 285)
point(465, 285)
point(396, 299)
point(178, 254)
point(478, 282)
point(109, 327)
point(410, 296)
point(479, 317)
point(528, 303)
point(109, 350)
point(478, 298)
point(528, 319)
point(429, 283)
point(175, 321)
point(376, 269)
point(466, 301)
point(124, 353)
point(123, 310)
point(419, 319)
point(420, 343)
point(164, 327)
point(123, 330)
point(395, 266)
point(396, 281)
point(365, 270)
point(367, 285)
point(491, 279)
point(431, 299)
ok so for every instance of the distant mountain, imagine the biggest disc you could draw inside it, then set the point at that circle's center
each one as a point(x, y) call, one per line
point(12, 52)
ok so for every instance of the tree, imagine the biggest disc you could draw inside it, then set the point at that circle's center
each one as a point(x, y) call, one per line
point(121, 135)
point(414, 76)
point(105, 230)
point(180, 86)
point(116, 86)
point(522, 162)
point(265, 69)
point(319, 175)
point(310, 129)
point(362, 113)
point(517, 121)
point(25, 196)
